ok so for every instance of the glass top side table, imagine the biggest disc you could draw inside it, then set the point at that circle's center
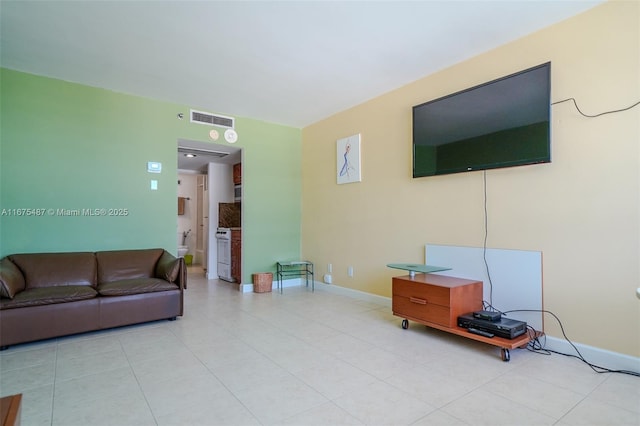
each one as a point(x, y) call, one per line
point(298, 268)
point(417, 267)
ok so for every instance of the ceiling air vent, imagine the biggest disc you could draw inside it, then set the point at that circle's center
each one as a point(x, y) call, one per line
point(205, 152)
point(211, 119)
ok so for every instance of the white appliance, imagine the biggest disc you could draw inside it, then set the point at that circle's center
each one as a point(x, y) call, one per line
point(223, 237)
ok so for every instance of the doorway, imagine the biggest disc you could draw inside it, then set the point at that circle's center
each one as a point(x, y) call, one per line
point(211, 166)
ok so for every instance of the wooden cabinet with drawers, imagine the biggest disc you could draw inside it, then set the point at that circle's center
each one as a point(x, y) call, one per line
point(435, 299)
point(10, 410)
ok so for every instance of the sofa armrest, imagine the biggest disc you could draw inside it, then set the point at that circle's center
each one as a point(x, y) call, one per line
point(172, 269)
point(11, 279)
point(182, 275)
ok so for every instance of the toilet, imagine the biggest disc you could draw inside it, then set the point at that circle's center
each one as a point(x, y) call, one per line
point(182, 249)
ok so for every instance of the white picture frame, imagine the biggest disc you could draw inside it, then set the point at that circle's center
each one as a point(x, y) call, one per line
point(515, 281)
point(348, 160)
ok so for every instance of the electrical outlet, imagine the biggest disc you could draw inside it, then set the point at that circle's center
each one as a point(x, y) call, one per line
point(350, 271)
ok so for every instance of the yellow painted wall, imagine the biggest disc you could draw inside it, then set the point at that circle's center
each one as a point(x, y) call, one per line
point(582, 210)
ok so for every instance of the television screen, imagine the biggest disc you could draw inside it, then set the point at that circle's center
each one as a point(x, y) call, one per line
point(502, 123)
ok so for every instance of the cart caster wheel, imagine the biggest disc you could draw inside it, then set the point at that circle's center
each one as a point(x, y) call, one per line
point(505, 355)
point(405, 324)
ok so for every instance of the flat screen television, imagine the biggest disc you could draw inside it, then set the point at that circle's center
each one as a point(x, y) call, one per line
point(502, 123)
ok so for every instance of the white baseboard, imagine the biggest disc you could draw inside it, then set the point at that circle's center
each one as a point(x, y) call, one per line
point(245, 288)
point(597, 356)
point(293, 282)
point(356, 294)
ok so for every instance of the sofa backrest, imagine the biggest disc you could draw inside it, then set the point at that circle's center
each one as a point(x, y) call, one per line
point(127, 264)
point(56, 269)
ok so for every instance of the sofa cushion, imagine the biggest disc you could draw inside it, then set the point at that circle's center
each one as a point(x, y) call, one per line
point(56, 269)
point(49, 295)
point(11, 279)
point(168, 267)
point(135, 286)
point(127, 264)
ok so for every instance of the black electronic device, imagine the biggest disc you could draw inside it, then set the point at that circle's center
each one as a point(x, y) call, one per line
point(480, 332)
point(505, 327)
point(487, 315)
point(501, 123)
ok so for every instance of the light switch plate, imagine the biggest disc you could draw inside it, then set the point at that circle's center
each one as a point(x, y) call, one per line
point(154, 167)
point(154, 185)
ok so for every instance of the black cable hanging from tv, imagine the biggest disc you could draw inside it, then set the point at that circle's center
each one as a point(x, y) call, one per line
point(486, 235)
point(575, 103)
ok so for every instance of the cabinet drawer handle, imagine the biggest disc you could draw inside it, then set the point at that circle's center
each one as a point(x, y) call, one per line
point(418, 301)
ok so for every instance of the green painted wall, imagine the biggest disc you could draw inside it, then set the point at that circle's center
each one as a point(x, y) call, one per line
point(66, 146)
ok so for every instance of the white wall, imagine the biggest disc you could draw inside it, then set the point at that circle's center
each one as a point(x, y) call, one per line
point(220, 191)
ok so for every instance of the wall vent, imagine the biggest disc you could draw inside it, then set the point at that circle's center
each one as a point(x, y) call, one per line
point(205, 152)
point(211, 119)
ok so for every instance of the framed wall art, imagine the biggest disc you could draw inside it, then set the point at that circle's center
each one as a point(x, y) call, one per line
point(348, 159)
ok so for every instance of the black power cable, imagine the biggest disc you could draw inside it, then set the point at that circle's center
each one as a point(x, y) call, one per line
point(596, 115)
point(536, 346)
point(486, 235)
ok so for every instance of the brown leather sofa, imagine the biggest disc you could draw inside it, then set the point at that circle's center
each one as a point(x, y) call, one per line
point(45, 295)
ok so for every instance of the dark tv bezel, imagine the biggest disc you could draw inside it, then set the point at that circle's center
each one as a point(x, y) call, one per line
point(492, 165)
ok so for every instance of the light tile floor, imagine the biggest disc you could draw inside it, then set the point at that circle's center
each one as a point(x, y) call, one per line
point(300, 358)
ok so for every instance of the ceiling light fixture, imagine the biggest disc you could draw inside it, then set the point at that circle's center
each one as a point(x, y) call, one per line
point(190, 155)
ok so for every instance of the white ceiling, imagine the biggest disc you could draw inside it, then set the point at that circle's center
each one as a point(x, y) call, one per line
point(287, 62)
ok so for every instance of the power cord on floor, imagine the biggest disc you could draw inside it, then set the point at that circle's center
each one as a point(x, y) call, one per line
point(538, 346)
